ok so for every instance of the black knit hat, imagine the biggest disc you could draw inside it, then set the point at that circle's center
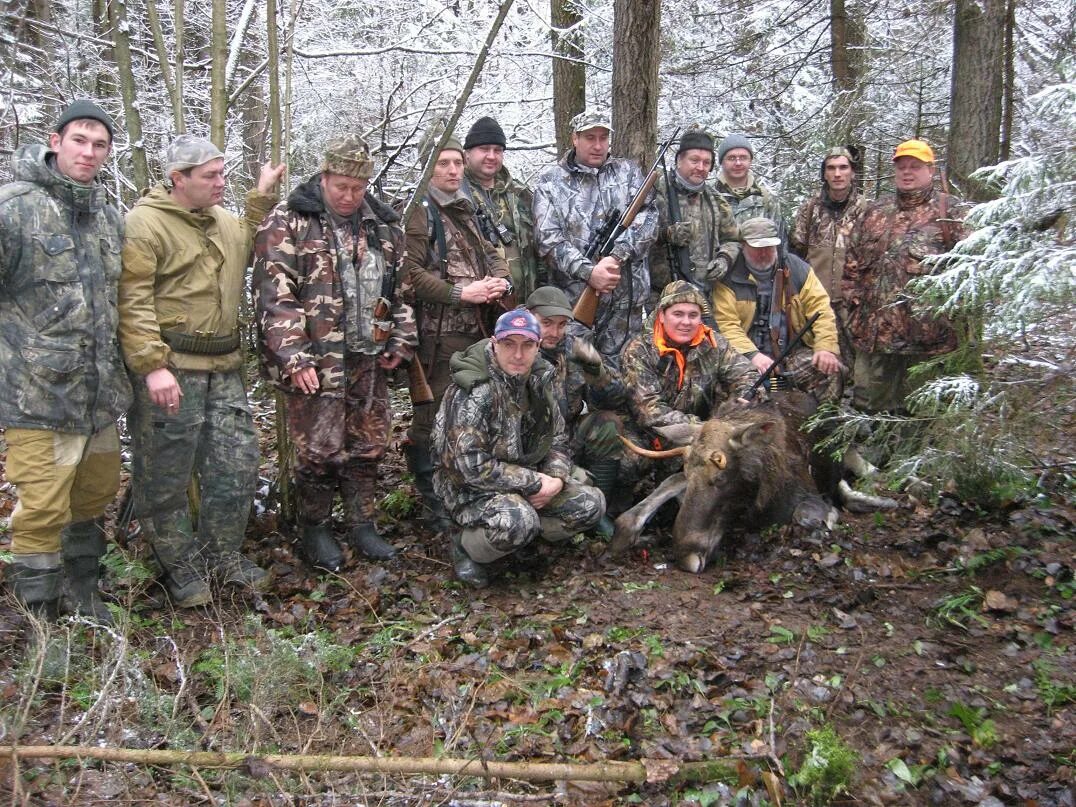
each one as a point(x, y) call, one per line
point(695, 139)
point(485, 132)
point(84, 110)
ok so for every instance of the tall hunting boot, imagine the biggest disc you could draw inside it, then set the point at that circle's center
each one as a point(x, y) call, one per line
point(82, 544)
point(467, 570)
point(359, 490)
point(316, 541)
point(605, 473)
point(171, 538)
point(418, 462)
point(36, 581)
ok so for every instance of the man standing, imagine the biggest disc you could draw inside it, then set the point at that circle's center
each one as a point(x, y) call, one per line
point(321, 263)
point(705, 236)
point(737, 184)
point(504, 470)
point(63, 380)
point(573, 200)
point(459, 283)
point(503, 206)
point(886, 250)
point(762, 303)
point(184, 261)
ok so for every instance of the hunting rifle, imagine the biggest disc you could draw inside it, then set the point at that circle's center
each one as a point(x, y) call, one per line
point(792, 344)
point(679, 256)
point(601, 244)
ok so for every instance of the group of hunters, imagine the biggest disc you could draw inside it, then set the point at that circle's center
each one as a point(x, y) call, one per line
point(518, 435)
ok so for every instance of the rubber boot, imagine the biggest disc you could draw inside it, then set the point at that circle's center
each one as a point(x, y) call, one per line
point(605, 473)
point(82, 544)
point(467, 570)
point(319, 547)
point(364, 538)
point(418, 462)
point(36, 581)
point(185, 574)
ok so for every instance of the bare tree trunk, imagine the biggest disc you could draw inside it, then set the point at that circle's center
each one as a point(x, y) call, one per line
point(1008, 99)
point(154, 20)
point(847, 35)
point(218, 89)
point(975, 103)
point(636, 55)
point(121, 49)
point(569, 77)
point(178, 111)
point(273, 50)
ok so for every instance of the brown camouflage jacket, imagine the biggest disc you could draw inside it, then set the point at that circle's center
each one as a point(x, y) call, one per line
point(756, 200)
point(299, 292)
point(885, 252)
point(821, 232)
point(664, 389)
point(438, 279)
point(494, 433)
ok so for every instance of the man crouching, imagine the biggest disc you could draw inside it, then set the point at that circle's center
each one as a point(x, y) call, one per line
point(501, 448)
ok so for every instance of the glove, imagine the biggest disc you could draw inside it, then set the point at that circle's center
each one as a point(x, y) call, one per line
point(719, 267)
point(681, 234)
point(588, 358)
point(603, 440)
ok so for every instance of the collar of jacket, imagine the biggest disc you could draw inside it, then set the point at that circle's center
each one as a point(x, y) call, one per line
point(686, 186)
point(457, 200)
point(906, 200)
point(36, 164)
point(307, 200)
point(752, 186)
point(703, 334)
point(830, 203)
point(571, 164)
point(159, 198)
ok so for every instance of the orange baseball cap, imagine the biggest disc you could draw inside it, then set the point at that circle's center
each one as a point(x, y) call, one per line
point(914, 148)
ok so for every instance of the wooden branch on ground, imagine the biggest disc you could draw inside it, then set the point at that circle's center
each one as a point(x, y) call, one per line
point(649, 770)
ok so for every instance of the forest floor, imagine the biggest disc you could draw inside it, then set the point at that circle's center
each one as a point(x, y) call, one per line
point(935, 641)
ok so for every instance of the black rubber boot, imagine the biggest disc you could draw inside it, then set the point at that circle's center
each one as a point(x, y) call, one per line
point(418, 462)
point(319, 547)
point(467, 570)
point(82, 544)
point(606, 474)
point(364, 538)
point(36, 581)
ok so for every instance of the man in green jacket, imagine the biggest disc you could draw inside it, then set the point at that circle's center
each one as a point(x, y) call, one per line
point(184, 261)
point(63, 384)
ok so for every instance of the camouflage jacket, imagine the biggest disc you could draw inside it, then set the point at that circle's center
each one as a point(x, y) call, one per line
point(494, 433)
point(300, 289)
point(885, 252)
point(572, 391)
point(184, 272)
point(820, 235)
point(669, 385)
point(735, 299)
point(754, 201)
point(715, 224)
point(509, 205)
point(438, 277)
point(60, 245)
point(571, 203)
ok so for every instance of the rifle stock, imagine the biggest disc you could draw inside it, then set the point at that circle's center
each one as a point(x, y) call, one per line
point(586, 307)
point(418, 386)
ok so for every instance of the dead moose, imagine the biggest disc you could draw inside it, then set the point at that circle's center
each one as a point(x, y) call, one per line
point(748, 467)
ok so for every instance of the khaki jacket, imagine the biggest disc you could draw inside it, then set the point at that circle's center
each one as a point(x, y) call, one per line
point(183, 271)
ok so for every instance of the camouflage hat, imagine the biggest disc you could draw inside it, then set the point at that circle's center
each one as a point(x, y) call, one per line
point(680, 291)
point(549, 301)
point(592, 119)
point(452, 144)
point(919, 149)
point(188, 151)
point(760, 232)
point(348, 156)
point(519, 322)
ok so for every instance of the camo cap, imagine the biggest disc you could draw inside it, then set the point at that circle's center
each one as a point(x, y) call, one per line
point(188, 151)
point(549, 301)
point(760, 232)
point(592, 119)
point(680, 291)
point(348, 156)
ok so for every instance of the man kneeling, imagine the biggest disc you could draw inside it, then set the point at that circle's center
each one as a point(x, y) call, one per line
point(501, 450)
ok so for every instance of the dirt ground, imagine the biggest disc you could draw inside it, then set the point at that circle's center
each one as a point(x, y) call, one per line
point(936, 642)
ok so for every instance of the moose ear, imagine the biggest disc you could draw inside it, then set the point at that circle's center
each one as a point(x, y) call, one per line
point(680, 434)
point(751, 434)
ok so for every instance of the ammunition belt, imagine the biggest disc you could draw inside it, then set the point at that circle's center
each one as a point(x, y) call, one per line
point(201, 344)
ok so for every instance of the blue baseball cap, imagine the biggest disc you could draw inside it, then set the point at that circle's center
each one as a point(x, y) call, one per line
point(518, 321)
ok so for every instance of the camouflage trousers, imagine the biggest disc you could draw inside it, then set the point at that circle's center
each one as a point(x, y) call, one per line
point(211, 435)
point(339, 441)
point(508, 521)
point(626, 466)
point(882, 383)
point(804, 376)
